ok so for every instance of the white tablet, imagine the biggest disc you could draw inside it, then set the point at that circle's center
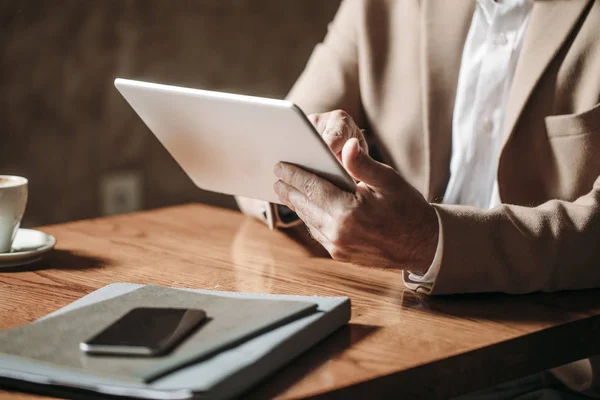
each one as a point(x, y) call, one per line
point(230, 143)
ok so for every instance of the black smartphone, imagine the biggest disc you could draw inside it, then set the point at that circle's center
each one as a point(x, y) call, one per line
point(145, 332)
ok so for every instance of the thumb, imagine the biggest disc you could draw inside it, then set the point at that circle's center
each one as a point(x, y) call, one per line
point(362, 167)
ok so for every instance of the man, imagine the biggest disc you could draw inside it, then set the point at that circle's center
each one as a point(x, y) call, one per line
point(488, 114)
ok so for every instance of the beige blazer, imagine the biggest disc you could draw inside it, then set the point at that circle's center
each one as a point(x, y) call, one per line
point(393, 65)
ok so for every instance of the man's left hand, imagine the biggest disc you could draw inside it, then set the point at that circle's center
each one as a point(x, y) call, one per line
point(386, 223)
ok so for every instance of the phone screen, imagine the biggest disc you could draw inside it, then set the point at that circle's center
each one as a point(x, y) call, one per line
point(145, 331)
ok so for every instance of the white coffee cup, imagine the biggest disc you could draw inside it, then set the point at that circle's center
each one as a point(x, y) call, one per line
point(13, 198)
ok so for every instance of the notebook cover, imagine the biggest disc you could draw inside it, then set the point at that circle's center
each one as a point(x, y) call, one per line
point(230, 321)
point(223, 376)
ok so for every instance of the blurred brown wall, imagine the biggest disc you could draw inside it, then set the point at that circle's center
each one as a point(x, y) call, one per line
point(65, 127)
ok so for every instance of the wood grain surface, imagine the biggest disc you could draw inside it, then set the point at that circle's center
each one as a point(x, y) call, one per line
point(398, 343)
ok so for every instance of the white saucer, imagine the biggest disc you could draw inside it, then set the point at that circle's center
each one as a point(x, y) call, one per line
point(28, 247)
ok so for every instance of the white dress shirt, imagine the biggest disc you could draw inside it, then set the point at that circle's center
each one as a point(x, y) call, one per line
point(488, 65)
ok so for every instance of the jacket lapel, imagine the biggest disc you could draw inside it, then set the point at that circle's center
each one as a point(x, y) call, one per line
point(549, 27)
point(444, 28)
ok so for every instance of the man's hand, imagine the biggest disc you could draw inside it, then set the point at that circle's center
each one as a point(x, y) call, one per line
point(387, 223)
point(336, 128)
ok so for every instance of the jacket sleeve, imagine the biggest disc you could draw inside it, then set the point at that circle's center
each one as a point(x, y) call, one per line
point(330, 79)
point(514, 249)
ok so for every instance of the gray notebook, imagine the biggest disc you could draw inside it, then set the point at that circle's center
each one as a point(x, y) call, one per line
point(231, 320)
point(220, 375)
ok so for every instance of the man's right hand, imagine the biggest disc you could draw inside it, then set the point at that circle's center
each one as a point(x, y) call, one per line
point(336, 128)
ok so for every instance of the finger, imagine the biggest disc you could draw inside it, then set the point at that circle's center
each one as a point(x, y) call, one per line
point(284, 200)
point(323, 241)
point(318, 236)
point(363, 168)
point(319, 191)
point(317, 122)
point(308, 212)
point(339, 128)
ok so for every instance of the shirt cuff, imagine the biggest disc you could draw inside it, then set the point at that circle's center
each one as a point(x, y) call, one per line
point(414, 281)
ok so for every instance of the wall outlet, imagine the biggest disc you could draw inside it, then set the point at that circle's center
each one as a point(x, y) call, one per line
point(121, 193)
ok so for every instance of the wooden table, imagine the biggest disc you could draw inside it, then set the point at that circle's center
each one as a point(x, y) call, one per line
point(398, 343)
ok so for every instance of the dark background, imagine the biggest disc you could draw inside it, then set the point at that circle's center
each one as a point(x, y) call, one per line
point(64, 126)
